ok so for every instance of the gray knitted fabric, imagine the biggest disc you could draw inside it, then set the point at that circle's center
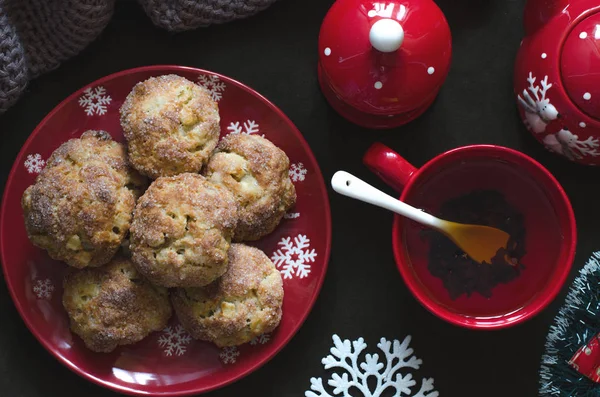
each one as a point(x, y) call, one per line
point(180, 15)
point(37, 35)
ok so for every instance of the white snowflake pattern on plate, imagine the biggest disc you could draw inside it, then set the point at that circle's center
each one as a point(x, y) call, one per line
point(174, 340)
point(345, 356)
point(297, 172)
point(43, 289)
point(260, 339)
point(248, 127)
point(229, 354)
point(34, 163)
point(294, 256)
point(213, 84)
point(291, 215)
point(95, 101)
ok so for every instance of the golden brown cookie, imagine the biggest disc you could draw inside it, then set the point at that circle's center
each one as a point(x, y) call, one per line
point(114, 305)
point(80, 207)
point(256, 171)
point(241, 305)
point(181, 231)
point(171, 126)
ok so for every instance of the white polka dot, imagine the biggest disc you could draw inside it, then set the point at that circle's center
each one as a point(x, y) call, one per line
point(378, 85)
point(582, 124)
point(587, 96)
point(327, 51)
point(431, 70)
point(372, 13)
point(544, 55)
point(582, 35)
point(587, 351)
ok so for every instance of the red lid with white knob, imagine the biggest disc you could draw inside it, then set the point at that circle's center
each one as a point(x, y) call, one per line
point(384, 58)
point(580, 63)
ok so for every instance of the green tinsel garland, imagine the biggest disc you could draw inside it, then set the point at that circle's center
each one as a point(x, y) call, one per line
point(576, 323)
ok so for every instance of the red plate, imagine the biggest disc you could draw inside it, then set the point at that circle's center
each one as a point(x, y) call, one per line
point(166, 363)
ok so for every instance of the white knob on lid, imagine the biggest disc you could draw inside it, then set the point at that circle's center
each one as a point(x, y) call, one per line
point(386, 35)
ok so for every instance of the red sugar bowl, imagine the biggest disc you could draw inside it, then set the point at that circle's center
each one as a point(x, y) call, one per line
point(556, 79)
point(381, 64)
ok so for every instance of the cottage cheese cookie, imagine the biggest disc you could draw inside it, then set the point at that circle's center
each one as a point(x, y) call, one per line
point(80, 207)
point(256, 171)
point(244, 303)
point(181, 231)
point(171, 126)
point(114, 305)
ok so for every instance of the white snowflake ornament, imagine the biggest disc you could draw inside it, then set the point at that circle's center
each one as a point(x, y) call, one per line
point(345, 356)
point(174, 340)
point(229, 355)
point(95, 101)
point(293, 258)
point(213, 85)
point(34, 163)
point(43, 289)
point(297, 172)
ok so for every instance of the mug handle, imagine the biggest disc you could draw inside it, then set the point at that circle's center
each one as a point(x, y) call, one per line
point(392, 168)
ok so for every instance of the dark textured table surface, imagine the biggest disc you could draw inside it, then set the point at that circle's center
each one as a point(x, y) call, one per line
point(275, 53)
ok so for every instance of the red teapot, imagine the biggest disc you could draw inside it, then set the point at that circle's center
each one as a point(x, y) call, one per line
point(557, 77)
point(382, 63)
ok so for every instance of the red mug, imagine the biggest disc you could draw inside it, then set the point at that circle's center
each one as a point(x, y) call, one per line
point(550, 237)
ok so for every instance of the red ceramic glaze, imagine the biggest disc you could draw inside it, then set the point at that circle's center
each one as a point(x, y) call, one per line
point(549, 220)
point(166, 363)
point(556, 77)
point(386, 87)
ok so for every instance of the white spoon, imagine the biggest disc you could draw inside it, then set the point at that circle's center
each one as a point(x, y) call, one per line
point(481, 243)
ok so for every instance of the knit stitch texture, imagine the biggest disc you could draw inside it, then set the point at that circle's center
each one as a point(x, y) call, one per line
point(36, 36)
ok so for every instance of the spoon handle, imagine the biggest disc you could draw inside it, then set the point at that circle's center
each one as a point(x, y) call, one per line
point(351, 186)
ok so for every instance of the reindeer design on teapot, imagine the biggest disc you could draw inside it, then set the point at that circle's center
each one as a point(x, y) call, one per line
point(554, 89)
point(538, 109)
